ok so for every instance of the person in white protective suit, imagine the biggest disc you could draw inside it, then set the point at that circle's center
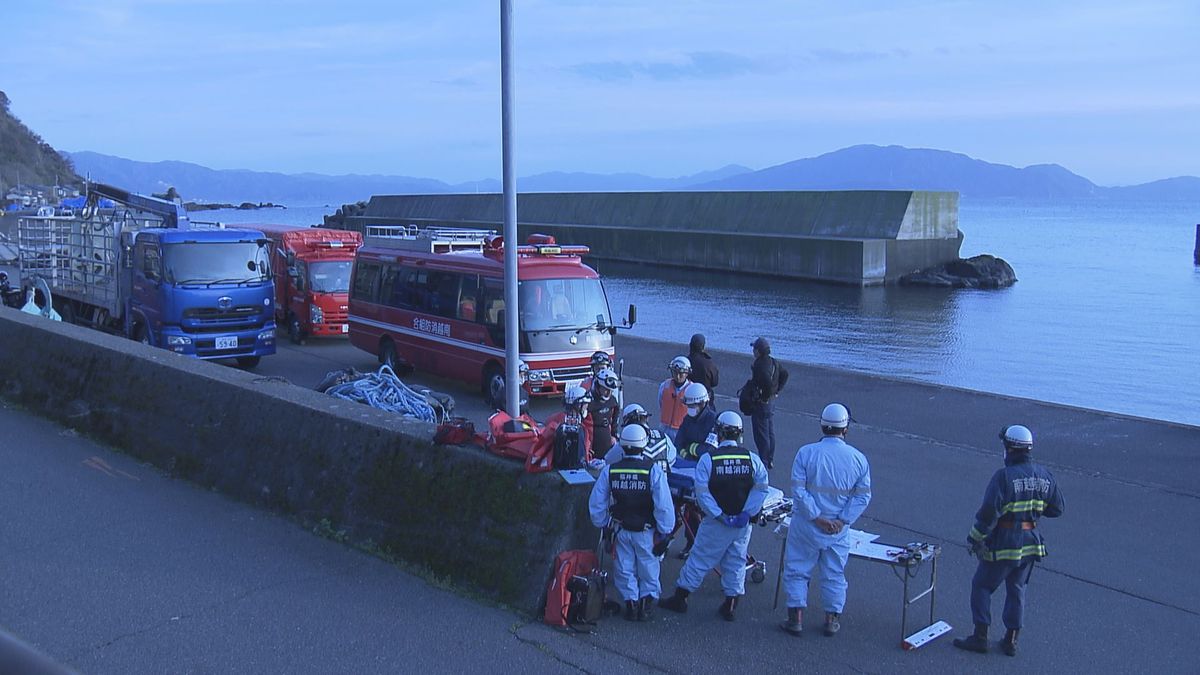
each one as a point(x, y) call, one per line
point(831, 487)
point(632, 496)
point(731, 485)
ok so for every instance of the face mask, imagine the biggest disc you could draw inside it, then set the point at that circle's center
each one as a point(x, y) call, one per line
point(692, 412)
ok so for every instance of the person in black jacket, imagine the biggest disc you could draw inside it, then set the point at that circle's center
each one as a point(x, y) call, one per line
point(704, 370)
point(767, 377)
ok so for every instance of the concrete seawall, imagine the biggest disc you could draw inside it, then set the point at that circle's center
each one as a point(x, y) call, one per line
point(863, 237)
point(360, 474)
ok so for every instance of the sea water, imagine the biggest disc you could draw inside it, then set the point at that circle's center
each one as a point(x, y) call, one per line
point(1105, 315)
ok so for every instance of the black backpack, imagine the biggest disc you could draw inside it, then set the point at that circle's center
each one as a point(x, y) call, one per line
point(748, 398)
point(567, 447)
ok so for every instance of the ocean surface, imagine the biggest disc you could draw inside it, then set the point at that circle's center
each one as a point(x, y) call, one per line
point(1105, 315)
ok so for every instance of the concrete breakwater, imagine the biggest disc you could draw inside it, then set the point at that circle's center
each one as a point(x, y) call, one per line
point(350, 471)
point(864, 237)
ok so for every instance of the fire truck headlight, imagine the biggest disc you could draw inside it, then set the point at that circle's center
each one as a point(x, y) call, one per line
point(316, 314)
point(539, 375)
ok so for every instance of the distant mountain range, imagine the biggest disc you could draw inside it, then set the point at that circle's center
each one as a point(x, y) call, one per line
point(861, 167)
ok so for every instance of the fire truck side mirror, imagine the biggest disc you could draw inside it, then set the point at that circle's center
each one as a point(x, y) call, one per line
point(632, 318)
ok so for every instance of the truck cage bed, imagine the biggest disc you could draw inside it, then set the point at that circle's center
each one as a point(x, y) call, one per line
point(78, 257)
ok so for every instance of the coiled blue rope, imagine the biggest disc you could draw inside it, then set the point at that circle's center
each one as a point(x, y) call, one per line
point(385, 391)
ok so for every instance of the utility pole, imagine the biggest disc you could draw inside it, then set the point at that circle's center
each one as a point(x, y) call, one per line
point(512, 386)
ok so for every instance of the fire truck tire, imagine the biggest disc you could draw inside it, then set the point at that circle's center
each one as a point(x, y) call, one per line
point(387, 355)
point(295, 332)
point(493, 385)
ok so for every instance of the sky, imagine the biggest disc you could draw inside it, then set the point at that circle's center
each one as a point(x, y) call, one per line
point(1110, 90)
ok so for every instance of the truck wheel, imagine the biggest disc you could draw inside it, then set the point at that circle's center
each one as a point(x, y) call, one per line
point(141, 334)
point(295, 333)
point(493, 386)
point(248, 362)
point(387, 355)
point(67, 311)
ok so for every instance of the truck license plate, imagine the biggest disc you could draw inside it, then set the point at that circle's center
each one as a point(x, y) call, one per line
point(227, 342)
point(345, 328)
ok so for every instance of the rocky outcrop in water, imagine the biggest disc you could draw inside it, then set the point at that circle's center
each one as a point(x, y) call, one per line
point(244, 206)
point(981, 271)
point(337, 220)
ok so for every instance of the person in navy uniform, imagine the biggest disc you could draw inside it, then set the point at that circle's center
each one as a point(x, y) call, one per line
point(1006, 540)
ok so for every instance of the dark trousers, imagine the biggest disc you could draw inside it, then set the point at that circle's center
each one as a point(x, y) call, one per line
point(988, 577)
point(764, 432)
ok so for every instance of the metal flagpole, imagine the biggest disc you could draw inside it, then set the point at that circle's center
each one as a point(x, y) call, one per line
point(511, 336)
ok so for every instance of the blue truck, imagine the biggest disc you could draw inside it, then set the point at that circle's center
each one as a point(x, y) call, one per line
point(141, 268)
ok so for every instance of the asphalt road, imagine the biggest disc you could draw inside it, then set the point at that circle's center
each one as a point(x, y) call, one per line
point(110, 567)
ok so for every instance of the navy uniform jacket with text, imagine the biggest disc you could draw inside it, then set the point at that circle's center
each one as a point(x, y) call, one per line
point(1022, 492)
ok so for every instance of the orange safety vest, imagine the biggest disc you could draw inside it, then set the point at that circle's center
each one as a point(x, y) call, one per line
point(670, 404)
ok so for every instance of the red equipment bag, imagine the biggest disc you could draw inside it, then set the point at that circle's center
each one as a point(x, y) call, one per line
point(458, 431)
point(567, 565)
point(512, 438)
point(541, 455)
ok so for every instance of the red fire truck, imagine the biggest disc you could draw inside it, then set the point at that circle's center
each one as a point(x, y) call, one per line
point(433, 299)
point(312, 278)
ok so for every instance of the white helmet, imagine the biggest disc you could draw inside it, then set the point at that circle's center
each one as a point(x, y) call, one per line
point(695, 394)
point(608, 379)
point(1017, 437)
point(576, 394)
point(835, 416)
point(729, 426)
point(634, 437)
point(634, 413)
point(680, 364)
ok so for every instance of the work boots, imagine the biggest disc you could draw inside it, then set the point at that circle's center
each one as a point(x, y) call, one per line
point(975, 643)
point(631, 610)
point(727, 607)
point(1009, 644)
point(645, 608)
point(677, 602)
point(793, 625)
point(832, 623)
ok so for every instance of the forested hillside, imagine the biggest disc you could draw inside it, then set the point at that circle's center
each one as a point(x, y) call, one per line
point(26, 158)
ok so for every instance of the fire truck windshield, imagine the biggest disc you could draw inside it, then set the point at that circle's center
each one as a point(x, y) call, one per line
point(216, 262)
point(332, 276)
point(562, 304)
